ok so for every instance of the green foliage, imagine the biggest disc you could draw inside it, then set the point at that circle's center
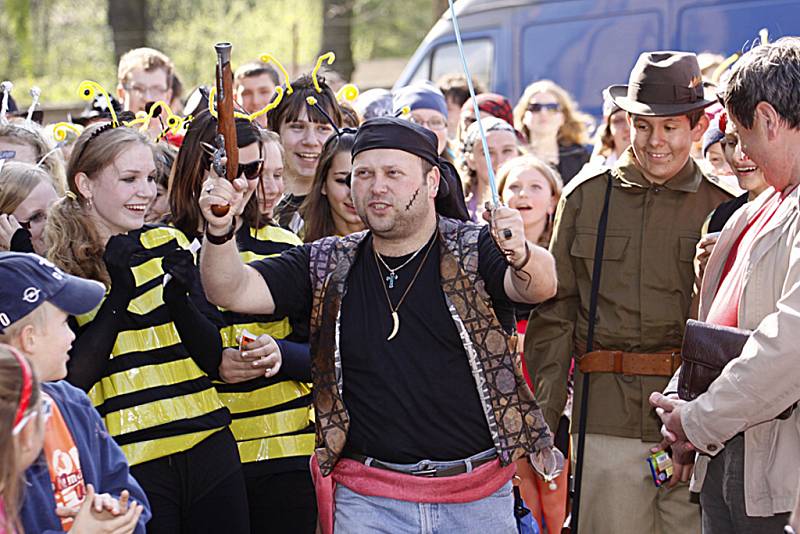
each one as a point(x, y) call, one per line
point(19, 15)
point(389, 28)
point(57, 43)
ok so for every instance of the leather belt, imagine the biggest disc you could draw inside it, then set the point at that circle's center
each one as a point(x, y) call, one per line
point(432, 472)
point(631, 363)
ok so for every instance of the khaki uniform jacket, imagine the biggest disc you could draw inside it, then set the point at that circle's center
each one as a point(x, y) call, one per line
point(645, 292)
point(765, 379)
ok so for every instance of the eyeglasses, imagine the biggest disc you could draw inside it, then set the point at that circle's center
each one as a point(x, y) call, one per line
point(434, 123)
point(536, 107)
point(45, 408)
point(251, 170)
point(152, 91)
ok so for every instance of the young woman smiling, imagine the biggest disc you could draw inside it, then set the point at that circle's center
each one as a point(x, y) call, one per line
point(147, 353)
point(329, 209)
point(303, 131)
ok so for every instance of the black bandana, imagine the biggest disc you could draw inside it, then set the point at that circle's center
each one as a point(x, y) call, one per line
point(400, 134)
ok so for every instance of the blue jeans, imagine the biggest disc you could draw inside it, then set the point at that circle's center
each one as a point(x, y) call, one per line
point(357, 514)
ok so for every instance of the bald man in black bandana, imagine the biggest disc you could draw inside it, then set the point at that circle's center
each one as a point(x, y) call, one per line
point(420, 402)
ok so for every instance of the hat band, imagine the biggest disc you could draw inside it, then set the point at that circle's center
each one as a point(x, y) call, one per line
point(656, 93)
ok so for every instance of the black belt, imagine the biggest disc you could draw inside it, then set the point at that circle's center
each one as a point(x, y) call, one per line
point(432, 472)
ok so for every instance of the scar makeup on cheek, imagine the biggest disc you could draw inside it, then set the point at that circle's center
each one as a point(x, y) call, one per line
point(413, 198)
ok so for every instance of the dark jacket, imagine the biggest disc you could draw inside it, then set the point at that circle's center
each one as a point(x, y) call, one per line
point(571, 159)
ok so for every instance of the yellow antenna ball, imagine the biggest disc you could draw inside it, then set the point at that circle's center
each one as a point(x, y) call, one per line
point(311, 100)
point(348, 92)
point(406, 110)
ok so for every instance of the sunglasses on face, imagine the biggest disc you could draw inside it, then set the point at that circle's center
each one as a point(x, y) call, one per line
point(536, 108)
point(251, 170)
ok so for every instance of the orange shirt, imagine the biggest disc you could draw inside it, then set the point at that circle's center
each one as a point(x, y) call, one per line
point(64, 464)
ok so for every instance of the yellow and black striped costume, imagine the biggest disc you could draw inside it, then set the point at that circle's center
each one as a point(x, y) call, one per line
point(153, 397)
point(272, 417)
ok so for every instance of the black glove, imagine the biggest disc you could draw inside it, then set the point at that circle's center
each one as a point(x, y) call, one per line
point(21, 241)
point(118, 257)
point(179, 264)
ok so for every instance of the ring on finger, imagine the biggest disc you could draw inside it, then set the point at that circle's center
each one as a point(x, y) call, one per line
point(209, 188)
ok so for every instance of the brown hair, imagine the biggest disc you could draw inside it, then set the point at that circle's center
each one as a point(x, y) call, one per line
point(454, 88)
point(190, 166)
point(350, 118)
point(148, 59)
point(11, 383)
point(531, 162)
point(572, 132)
point(71, 237)
point(47, 156)
point(256, 68)
point(316, 210)
point(291, 106)
point(17, 181)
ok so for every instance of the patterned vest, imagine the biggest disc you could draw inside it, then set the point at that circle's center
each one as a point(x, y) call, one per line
point(515, 421)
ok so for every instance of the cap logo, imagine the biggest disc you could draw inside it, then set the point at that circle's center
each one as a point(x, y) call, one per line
point(31, 294)
point(4, 320)
point(695, 82)
point(57, 273)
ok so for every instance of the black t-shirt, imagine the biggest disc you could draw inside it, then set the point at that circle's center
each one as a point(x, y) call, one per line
point(413, 397)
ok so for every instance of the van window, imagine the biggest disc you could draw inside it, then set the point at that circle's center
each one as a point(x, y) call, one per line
point(479, 54)
point(741, 23)
point(586, 56)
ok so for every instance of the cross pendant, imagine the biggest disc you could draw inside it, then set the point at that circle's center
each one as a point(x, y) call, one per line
point(391, 279)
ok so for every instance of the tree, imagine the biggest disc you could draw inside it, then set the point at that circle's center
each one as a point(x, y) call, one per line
point(337, 34)
point(439, 7)
point(129, 25)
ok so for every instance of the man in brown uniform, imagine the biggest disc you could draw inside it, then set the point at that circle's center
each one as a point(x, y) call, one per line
point(659, 200)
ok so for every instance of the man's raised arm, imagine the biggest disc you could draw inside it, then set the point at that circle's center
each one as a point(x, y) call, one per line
point(227, 281)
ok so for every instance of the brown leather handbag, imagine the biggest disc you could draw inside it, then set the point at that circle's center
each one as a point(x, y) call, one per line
point(707, 349)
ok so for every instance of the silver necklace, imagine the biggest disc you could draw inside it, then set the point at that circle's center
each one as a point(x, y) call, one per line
point(391, 278)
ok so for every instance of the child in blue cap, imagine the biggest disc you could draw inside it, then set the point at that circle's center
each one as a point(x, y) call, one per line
point(81, 480)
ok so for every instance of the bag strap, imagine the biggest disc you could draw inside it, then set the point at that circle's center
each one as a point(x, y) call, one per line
point(599, 247)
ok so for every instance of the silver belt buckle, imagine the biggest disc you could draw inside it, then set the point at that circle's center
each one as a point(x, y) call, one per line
point(424, 472)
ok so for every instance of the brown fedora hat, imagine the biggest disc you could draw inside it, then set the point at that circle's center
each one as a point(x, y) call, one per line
point(663, 84)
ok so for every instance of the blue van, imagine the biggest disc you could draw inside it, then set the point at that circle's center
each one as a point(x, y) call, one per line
point(587, 45)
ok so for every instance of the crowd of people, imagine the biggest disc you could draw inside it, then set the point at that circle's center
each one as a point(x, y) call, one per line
point(396, 321)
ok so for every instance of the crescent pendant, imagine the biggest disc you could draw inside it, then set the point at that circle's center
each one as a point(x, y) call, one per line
point(395, 326)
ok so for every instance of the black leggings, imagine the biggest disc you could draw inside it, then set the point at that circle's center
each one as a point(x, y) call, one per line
point(282, 503)
point(201, 490)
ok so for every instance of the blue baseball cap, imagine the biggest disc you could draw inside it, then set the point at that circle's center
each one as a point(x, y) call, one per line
point(419, 95)
point(28, 280)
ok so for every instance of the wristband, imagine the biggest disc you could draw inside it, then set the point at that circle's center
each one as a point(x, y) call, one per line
point(220, 239)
